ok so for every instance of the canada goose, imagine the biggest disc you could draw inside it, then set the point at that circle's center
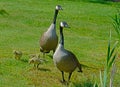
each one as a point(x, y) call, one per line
point(63, 59)
point(49, 39)
point(17, 54)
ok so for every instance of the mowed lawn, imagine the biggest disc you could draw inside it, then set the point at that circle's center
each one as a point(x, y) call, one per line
point(87, 38)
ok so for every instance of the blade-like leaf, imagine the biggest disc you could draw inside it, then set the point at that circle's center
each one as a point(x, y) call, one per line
point(113, 49)
point(108, 54)
point(101, 80)
point(112, 60)
point(95, 85)
point(116, 23)
point(113, 71)
point(105, 78)
point(116, 28)
point(108, 57)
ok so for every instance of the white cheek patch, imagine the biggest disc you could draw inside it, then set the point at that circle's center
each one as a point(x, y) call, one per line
point(61, 24)
point(57, 7)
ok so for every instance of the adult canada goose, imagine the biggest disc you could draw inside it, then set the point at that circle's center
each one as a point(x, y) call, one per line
point(49, 39)
point(63, 59)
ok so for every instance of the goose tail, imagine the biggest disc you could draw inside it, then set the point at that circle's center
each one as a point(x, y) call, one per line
point(80, 67)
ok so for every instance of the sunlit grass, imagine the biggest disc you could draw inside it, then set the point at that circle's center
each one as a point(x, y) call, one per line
point(87, 39)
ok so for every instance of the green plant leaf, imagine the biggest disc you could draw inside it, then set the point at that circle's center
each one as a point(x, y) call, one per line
point(113, 71)
point(116, 28)
point(95, 85)
point(108, 54)
point(112, 61)
point(113, 49)
point(105, 78)
point(101, 80)
point(116, 23)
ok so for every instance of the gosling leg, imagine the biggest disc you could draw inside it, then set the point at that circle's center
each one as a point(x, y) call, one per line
point(38, 65)
point(34, 65)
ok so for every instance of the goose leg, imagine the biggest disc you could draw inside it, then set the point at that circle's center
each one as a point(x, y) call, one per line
point(41, 50)
point(63, 76)
point(80, 67)
point(34, 66)
point(38, 65)
point(69, 76)
point(43, 55)
point(53, 51)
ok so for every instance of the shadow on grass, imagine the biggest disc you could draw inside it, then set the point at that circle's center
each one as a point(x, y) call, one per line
point(100, 1)
point(1, 73)
point(24, 60)
point(40, 69)
point(96, 1)
point(84, 84)
point(87, 83)
point(3, 12)
point(43, 69)
point(50, 56)
point(90, 67)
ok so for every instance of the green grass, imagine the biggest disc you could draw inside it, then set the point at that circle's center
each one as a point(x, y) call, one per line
point(87, 39)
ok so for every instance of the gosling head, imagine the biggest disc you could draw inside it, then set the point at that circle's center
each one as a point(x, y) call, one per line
point(31, 61)
point(64, 24)
point(14, 51)
point(58, 7)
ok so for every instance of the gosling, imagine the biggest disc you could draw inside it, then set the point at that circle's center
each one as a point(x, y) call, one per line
point(17, 54)
point(36, 61)
point(34, 55)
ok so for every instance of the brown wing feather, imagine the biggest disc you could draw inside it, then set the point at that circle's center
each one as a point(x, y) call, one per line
point(47, 44)
point(75, 59)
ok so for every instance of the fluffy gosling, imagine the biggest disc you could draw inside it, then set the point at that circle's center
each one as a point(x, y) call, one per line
point(36, 61)
point(17, 54)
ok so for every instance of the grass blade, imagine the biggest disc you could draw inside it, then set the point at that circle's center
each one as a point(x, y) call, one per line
point(101, 80)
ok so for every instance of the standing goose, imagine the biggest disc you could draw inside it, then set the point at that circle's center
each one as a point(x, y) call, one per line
point(49, 39)
point(63, 59)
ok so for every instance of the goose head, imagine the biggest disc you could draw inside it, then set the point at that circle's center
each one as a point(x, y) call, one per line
point(58, 7)
point(64, 24)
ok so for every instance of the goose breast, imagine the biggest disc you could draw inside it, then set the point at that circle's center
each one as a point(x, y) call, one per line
point(64, 60)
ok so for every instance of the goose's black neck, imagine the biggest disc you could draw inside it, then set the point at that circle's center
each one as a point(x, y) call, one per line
point(61, 36)
point(55, 16)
